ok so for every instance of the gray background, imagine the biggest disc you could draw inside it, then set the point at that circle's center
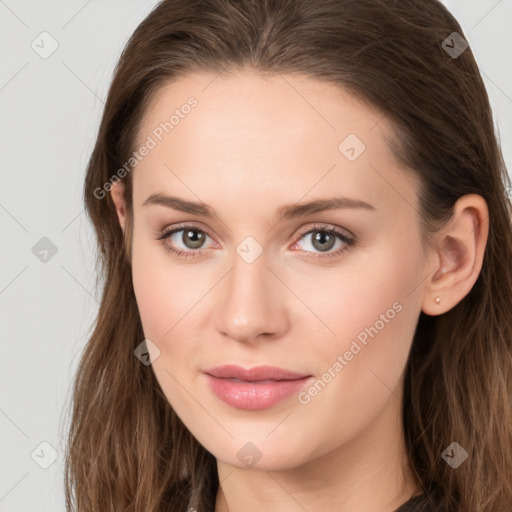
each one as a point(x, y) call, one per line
point(50, 111)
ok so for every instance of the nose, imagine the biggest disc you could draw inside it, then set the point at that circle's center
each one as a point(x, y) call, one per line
point(251, 302)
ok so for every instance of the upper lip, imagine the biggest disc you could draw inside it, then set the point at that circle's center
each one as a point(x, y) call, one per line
point(232, 371)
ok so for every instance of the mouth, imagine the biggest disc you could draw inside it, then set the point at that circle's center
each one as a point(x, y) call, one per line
point(255, 388)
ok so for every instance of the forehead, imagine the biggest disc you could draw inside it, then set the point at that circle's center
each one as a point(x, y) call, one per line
point(248, 132)
point(269, 102)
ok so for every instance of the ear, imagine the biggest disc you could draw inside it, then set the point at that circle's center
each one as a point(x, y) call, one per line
point(459, 255)
point(117, 194)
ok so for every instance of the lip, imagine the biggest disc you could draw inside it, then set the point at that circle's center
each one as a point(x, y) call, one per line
point(254, 388)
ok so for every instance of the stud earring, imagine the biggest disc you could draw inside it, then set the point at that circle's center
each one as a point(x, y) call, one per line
point(438, 300)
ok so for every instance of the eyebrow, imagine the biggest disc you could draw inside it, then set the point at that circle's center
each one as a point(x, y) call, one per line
point(284, 213)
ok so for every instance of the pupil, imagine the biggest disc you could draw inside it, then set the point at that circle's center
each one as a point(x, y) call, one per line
point(195, 241)
point(320, 238)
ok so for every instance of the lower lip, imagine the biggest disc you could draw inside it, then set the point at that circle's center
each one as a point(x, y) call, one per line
point(254, 395)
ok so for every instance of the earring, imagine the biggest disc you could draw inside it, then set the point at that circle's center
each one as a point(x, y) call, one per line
point(438, 300)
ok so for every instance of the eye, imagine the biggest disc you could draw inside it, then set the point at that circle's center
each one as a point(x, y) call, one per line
point(189, 236)
point(323, 239)
point(192, 240)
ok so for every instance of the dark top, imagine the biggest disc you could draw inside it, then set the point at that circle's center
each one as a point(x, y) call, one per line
point(415, 504)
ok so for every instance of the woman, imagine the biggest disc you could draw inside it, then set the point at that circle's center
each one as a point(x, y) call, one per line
point(305, 238)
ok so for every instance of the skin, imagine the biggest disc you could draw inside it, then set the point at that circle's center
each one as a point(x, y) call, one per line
point(252, 145)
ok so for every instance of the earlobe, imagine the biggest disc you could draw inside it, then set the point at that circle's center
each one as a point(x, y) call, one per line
point(117, 194)
point(459, 256)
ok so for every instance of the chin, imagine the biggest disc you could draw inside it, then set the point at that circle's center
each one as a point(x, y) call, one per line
point(261, 455)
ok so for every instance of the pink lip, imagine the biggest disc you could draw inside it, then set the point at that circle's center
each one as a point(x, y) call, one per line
point(255, 388)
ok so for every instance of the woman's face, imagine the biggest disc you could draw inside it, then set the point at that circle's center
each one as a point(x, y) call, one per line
point(339, 313)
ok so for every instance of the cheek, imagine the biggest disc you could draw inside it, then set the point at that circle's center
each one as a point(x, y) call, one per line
point(165, 305)
point(374, 313)
point(153, 292)
point(367, 290)
point(164, 291)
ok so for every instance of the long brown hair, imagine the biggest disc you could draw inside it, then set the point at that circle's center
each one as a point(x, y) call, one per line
point(127, 449)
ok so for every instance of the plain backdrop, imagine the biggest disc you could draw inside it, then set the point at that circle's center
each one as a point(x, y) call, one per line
point(50, 112)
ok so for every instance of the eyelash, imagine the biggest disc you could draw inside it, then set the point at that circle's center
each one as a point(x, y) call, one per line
point(164, 235)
